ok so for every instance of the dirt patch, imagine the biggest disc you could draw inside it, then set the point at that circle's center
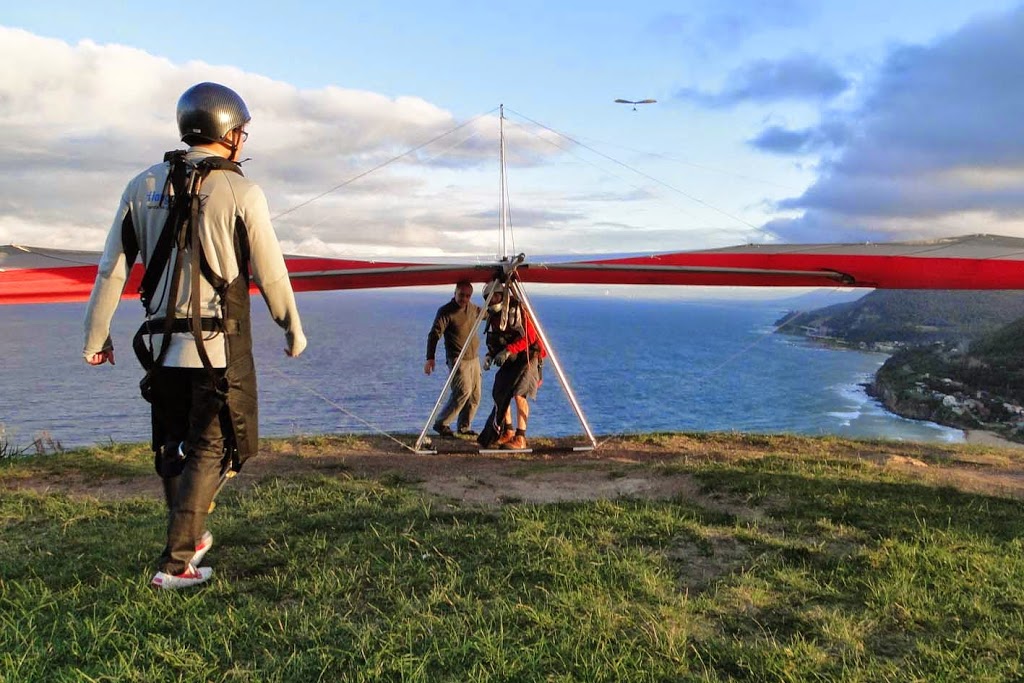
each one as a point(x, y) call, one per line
point(75, 483)
point(642, 467)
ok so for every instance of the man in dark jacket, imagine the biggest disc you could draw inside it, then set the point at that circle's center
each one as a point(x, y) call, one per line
point(456, 323)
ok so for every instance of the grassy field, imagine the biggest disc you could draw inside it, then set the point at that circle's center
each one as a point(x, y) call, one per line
point(793, 562)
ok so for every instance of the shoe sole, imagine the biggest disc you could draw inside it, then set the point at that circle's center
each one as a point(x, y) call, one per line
point(170, 582)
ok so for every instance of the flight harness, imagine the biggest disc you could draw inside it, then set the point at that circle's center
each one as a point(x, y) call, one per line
point(504, 328)
point(181, 235)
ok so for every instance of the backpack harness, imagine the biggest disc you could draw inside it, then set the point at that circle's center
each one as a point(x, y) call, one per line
point(184, 202)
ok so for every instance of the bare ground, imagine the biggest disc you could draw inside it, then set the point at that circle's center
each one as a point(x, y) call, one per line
point(631, 467)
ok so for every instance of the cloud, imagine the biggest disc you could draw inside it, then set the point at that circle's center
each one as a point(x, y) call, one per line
point(931, 149)
point(797, 77)
point(77, 121)
point(782, 140)
point(717, 26)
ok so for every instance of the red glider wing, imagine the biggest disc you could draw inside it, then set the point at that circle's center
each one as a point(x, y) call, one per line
point(34, 275)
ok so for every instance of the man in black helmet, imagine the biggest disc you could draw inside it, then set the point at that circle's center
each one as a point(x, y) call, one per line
point(202, 230)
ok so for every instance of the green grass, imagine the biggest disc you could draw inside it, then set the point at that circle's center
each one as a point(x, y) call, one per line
point(786, 568)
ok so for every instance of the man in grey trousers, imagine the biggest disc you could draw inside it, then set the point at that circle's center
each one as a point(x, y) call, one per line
point(456, 323)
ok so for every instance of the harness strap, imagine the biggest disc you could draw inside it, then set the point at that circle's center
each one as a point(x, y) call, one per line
point(178, 326)
point(181, 230)
point(181, 325)
point(200, 265)
point(197, 313)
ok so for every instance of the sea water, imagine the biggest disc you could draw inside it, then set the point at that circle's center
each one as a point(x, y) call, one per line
point(635, 365)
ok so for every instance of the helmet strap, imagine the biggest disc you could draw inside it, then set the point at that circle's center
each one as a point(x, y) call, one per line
point(230, 142)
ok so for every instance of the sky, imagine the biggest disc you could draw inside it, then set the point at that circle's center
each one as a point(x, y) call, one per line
point(376, 129)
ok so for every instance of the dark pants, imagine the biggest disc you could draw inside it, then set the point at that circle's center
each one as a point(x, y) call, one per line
point(187, 409)
point(519, 376)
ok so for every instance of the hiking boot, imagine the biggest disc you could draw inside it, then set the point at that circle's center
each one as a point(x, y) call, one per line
point(204, 544)
point(505, 437)
point(186, 579)
point(444, 430)
point(467, 431)
point(516, 443)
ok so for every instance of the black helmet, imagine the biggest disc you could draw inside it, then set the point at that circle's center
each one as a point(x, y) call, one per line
point(209, 111)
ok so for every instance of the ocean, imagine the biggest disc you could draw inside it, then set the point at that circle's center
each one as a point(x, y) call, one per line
point(635, 365)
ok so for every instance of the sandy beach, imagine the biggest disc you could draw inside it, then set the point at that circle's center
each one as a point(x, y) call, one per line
point(980, 437)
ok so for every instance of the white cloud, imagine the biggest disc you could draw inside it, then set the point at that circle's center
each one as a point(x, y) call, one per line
point(78, 121)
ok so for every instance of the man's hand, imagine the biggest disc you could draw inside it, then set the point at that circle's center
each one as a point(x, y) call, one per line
point(428, 367)
point(296, 342)
point(501, 357)
point(487, 362)
point(104, 356)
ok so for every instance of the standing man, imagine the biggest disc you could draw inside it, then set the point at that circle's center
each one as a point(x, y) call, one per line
point(201, 230)
point(456, 322)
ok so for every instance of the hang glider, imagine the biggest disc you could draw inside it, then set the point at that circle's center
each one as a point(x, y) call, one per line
point(634, 102)
point(38, 275)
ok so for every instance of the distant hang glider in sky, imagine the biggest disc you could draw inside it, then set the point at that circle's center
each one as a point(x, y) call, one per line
point(31, 275)
point(635, 102)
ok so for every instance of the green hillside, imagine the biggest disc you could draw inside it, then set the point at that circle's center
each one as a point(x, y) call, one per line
point(958, 358)
point(909, 317)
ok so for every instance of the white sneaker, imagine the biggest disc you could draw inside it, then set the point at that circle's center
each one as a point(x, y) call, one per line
point(190, 577)
point(204, 544)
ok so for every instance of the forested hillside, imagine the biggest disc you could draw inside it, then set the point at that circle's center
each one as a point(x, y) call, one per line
point(958, 355)
point(981, 386)
point(909, 317)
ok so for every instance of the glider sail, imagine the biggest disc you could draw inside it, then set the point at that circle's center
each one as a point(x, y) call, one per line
point(36, 275)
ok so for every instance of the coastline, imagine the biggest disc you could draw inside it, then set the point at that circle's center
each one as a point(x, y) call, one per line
point(982, 437)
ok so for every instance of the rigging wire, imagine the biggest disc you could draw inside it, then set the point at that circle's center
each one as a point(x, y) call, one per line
point(38, 252)
point(583, 159)
point(504, 210)
point(380, 165)
point(338, 406)
point(645, 175)
point(508, 220)
point(446, 150)
point(692, 164)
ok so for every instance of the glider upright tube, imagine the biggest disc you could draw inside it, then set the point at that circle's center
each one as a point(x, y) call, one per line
point(521, 295)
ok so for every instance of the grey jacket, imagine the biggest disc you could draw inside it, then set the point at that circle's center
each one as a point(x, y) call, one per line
point(227, 196)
